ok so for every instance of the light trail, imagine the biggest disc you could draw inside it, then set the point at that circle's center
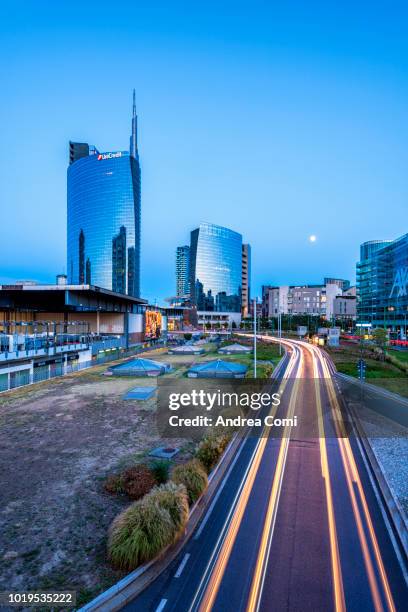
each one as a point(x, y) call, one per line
point(218, 569)
point(353, 478)
point(270, 518)
point(339, 601)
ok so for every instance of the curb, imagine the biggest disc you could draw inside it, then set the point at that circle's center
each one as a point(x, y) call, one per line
point(129, 587)
point(397, 515)
point(134, 583)
point(399, 521)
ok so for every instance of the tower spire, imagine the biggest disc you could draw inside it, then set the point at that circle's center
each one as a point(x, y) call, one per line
point(133, 138)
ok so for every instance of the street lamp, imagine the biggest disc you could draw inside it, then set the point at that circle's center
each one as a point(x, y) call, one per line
point(254, 304)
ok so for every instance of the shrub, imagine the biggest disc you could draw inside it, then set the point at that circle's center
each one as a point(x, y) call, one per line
point(173, 498)
point(138, 534)
point(160, 470)
point(210, 450)
point(114, 484)
point(192, 475)
point(138, 480)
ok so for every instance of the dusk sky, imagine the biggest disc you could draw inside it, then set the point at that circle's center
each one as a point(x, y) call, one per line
point(279, 122)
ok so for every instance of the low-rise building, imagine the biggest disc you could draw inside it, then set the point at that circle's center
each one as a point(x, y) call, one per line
point(313, 300)
point(345, 305)
point(47, 329)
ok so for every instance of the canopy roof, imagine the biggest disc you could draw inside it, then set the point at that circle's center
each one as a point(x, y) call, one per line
point(219, 368)
point(140, 367)
point(235, 348)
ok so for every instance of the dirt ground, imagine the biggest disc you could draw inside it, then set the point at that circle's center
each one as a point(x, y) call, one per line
point(58, 441)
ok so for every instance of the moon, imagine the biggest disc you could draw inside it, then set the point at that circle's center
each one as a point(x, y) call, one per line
point(312, 238)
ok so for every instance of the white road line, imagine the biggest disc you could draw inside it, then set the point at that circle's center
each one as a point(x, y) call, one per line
point(214, 501)
point(182, 565)
point(161, 605)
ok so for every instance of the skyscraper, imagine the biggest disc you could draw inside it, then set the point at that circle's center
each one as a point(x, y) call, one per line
point(182, 271)
point(246, 278)
point(216, 269)
point(103, 216)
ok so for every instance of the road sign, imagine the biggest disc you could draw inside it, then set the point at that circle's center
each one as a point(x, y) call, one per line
point(361, 369)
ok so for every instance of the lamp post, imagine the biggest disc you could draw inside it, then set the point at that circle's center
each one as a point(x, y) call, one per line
point(254, 303)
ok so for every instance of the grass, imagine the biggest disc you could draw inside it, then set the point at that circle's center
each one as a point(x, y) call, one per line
point(382, 374)
point(193, 476)
point(138, 534)
point(401, 356)
point(210, 450)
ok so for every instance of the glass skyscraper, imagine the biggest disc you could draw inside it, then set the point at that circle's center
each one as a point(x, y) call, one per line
point(183, 271)
point(382, 284)
point(216, 269)
point(103, 220)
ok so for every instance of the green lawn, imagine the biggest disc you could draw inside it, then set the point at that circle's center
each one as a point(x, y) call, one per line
point(400, 355)
point(378, 373)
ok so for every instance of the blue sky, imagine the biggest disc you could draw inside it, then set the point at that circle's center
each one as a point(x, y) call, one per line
point(279, 120)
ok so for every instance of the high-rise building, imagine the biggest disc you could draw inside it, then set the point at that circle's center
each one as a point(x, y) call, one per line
point(382, 284)
point(216, 270)
point(246, 279)
point(103, 220)
point(182, 271)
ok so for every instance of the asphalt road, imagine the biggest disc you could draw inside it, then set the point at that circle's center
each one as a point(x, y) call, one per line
point(298, 524)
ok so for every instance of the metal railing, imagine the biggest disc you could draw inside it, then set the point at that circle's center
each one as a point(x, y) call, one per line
point(20, 378)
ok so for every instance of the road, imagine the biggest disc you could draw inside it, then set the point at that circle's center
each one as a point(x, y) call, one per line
point(298, 524)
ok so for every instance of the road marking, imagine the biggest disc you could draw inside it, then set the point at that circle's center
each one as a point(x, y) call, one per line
point(258, 579)
point(161, 605)
point(182, 565)
point(214, 501)
point(339, 600)
point(353, 478)
point(218, 562)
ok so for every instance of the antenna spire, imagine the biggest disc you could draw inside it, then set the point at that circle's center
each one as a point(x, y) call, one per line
point(133, 138)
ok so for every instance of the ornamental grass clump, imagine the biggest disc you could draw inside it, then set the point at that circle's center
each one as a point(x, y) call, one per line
point(160, 470)
point(210, 450)
point(138, 480)
point(148, 526)
point(173, 498)
point(193, 476)
point(139, 534)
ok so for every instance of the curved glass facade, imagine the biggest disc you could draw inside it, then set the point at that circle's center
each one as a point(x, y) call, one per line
point(103, 246)
point(382, 284)
point(216, 268)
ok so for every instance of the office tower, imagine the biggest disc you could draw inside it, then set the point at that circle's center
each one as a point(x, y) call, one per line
point(216, 269)
point(382, 285)
point(103, 220)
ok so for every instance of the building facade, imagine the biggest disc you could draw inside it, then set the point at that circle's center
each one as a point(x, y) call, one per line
point(103, 217)
point(313, 300)
point(183, 271)
point(216, 270)
point(345, 305)
point(340, 282)
point(246, 279)
point(46, 330)
point(382, 285)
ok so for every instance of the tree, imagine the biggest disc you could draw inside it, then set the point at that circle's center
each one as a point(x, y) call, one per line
point(380, 338)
